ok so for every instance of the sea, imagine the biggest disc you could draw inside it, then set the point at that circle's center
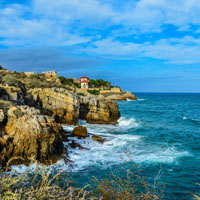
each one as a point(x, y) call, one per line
point(160, 132)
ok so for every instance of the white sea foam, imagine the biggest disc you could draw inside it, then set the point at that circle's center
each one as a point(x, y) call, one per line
point(117, 146)
point(184, 118)
point(141, 99)
point(124, 124)
point(114, 150)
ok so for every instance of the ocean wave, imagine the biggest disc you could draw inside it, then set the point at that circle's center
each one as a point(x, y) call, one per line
point(192, 120)
point(124, 124)
point(116, 148)
point(141, 99)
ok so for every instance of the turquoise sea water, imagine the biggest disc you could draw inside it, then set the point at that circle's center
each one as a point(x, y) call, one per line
point(160, 131)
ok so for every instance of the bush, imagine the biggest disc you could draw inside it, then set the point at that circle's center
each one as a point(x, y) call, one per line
point(40, 185)
point(125, 184)
point(5, 104)
point(94, 92)
point(18, 113)
point(100, 83)
point(1, 68)
point(66, 81)
point(36, 81)
point(12, 81)
point(76, 85)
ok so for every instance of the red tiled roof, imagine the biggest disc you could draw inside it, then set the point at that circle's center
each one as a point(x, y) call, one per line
point(84, 81)
point(84, 77)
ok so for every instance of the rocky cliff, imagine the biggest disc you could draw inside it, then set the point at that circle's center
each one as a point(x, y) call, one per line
point(32, 110)
point(26, 135)
point(68, 107)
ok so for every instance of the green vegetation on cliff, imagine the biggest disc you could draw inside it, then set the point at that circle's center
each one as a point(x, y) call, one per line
point(69, 81)
point(99, 83)
point(95, 92)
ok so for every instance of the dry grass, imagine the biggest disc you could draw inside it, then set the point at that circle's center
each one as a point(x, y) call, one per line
point(40, 185)
point(121, 184)
point(125, 184)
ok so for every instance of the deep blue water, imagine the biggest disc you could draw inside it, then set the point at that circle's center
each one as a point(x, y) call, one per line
point(160, 132)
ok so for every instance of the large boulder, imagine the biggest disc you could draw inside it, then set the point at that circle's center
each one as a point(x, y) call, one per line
point(28, 134)
point(80, 131)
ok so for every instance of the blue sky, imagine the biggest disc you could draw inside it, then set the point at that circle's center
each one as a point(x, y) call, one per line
point(141, 45)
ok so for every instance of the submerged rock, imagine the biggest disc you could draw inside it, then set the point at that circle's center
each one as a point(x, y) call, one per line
point(80, 131)
point(98, 138)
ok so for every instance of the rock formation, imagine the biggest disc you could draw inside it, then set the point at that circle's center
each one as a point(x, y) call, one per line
point(28, 134)
point(122, 96)
point(98, 138)
point(32, 110)
point(80, 131)
point(67, 107)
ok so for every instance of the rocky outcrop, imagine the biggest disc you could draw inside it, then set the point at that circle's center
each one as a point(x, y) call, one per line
point(80, 131)
point(28, 134)
point(122, 96)
point(1, 116)
point(98, 138)
point(61, 104)
point(96, 110)
point(68, 107)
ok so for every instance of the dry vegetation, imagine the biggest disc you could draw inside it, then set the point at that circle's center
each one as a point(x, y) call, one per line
point(122, 184)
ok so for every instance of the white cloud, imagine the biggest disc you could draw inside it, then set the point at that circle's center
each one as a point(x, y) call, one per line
point(185, 50)
point(81, 26)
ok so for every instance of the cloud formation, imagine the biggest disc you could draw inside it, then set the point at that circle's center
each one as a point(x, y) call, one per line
point(106, 29)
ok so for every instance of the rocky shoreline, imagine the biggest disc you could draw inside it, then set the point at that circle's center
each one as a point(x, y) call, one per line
point(33, 109)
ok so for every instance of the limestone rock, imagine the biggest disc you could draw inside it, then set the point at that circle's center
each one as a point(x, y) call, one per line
point(30, 134)
point(67, 106)
point(122, 96)
point(98, 138)
point(98, 111)
point(80, 131)
point(60, 103)
point(1, 116)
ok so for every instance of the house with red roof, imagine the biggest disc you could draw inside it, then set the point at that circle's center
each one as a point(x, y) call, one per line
point(84, 82)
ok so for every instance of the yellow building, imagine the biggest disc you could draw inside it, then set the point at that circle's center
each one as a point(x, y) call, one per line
point(29, 73)
point(50, 74)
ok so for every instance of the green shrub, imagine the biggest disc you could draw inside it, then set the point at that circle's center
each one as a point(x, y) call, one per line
point(66, 81)
point(94, 92)
point(18, 113)
point(11, 80)
point(1, 68)
point(76, 85)
point(36, 81)
point(5, 104)
point(100, 83)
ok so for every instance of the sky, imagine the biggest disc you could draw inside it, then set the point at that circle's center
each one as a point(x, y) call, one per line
point(140, 45)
